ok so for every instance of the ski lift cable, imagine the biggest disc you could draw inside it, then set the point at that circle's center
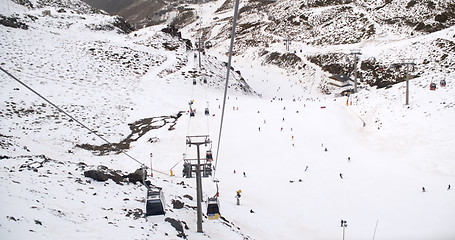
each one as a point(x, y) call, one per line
point(207, 106)
point(74, 119)
point(234, 23)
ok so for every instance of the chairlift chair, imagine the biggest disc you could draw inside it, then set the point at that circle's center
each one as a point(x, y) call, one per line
point(207, 169)
point(187, 170)
point(209, 155)
point(155, 203)
point(213, 208)
point(443, 83)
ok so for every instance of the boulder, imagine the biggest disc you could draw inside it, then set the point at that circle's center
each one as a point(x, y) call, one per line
point(96, 175)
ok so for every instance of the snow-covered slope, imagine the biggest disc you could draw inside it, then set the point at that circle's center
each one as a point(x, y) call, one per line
point(385, 32)
point(291, 142)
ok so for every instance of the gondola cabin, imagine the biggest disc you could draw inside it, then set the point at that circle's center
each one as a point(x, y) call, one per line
point(213, 208)
point(154, 204)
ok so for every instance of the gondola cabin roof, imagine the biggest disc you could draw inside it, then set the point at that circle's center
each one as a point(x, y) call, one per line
point(153, 195)
point(340, 78)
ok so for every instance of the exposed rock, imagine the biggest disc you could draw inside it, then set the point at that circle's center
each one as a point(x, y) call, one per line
point(184, 18)
point(441, 18)
point(178, 226)
point(96, 175)
point(136, 213)
point(135, 177)
point(283, 60)
point(176, 204)
point(173, 31)
point(124, 26)
point(188, 196)
point(12, 22)
point(26, 3)
point(138, 129)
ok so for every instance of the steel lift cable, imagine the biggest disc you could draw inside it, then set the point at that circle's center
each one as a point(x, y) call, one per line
point(72, 118)
point(234, 23)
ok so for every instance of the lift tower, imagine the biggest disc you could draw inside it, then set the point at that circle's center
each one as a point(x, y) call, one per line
point(355, 52)
point(200, 47)
point(407, 62)
point(288, 42)
point(198, 141)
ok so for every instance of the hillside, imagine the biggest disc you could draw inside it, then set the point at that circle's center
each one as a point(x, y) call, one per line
point(324, 31)
point(304, 159)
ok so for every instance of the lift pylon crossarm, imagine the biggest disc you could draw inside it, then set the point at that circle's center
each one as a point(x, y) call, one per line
point(198, 140)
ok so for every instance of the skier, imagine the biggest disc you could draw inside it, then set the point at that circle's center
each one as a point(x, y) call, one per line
point(306, 168)
point(244, 174)
point(238, 196)
point(349, 159)
point(341, 175)
point(251, 211)
point(259, 129)
point(423, 189)
point(448, 187)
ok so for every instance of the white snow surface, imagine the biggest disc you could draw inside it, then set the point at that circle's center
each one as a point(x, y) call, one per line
point(291, 143)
